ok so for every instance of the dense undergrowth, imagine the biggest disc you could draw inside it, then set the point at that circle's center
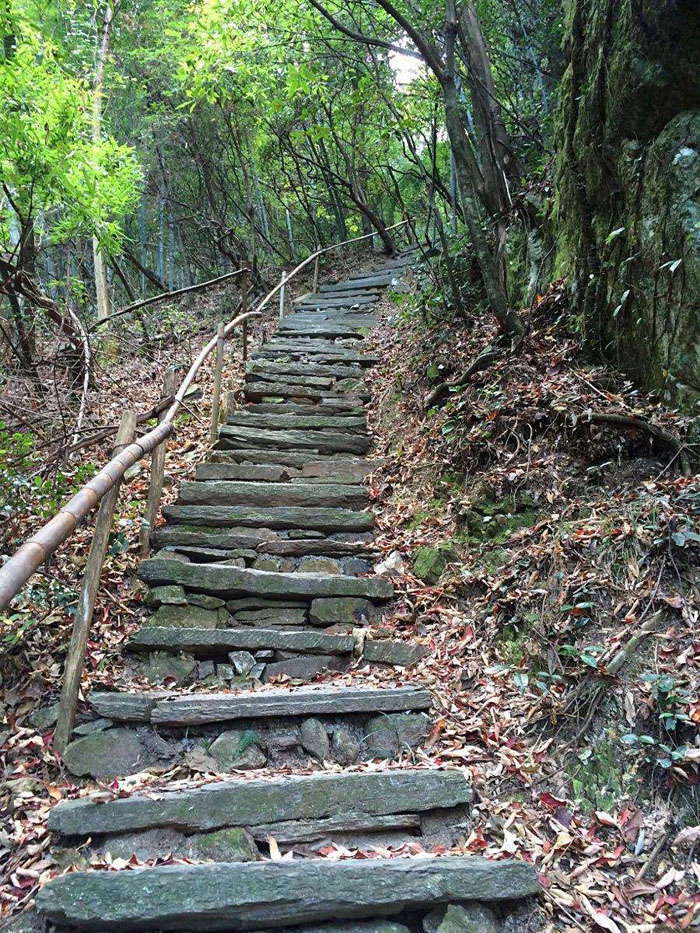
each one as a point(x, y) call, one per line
point(563, 627)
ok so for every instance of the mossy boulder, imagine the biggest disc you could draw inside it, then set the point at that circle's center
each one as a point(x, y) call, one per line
point(429, 563)
point(233, 844)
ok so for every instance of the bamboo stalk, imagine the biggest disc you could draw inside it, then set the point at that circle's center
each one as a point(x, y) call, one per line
point(244, 310)
point(282, 284)
point(75, 658)
point(317, 264)
point(155, 485)
point(216, 400)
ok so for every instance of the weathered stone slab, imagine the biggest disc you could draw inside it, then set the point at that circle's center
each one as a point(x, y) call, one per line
point(251, 895)
point(336, 300)
point(229, 582)
point(354, 795)
point(261, 390)
point(327, 329)
point(388, 734)
point(392, 652)
point(340, 407)
point(205, 643)
point(306, 667)
point(294, 831)
point(294, 458)
point(197, 709)
point(264, 472)
point(225, 492)
point(380, 280)
point(271, 617)
point(321, 441)
point(264, 367)
point(278, 350)
point(306, 422)
point(321, 382)
point(189, 617)
point(340, 610)
point(284, 517)
point(223, 538)
point(113, 752)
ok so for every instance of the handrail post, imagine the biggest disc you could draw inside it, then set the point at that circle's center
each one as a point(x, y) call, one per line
point(244, 310)
point(317, 263)
point(155, 486)
point(75, 658)
point(216, 401)
point(284, 279)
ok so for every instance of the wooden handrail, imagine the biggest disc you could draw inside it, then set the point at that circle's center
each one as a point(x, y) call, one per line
point(39, 547)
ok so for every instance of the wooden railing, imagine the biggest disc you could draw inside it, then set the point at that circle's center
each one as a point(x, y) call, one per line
point(103, 489)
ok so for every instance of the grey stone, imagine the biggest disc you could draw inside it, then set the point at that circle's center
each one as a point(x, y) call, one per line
point(205, 602)
point(233, 844)
point(317, 518)
point(227, 747)
point(44, 717)
point(349, 609)
point(109, 754)
point(324, 441)
point(253, 895)
point(461, 918)
point(253, 803)
point(243, 662)
point(230, 581)
point(430, 562)
point(162, 666)
point(314, 738)
point(265, 655)
point(392, 652)
point(94, 725)
point(267, 563)
point(196, 709)
point(206, 669)
point(265, 617)
point(225, 671)
point(258, 671)
point(345, 749)
point(186, 616)
point(319, 565)
point(166, 595)
point(241, 641)
point(305, 667)
point(389, 734)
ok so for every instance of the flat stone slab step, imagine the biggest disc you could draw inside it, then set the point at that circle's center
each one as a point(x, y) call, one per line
point(251, 896)
point(224, 492)
point(339, 408)
point(256, 367)
point(256, 803)
point(345, 472)
point(229, 582)
point(355, 298)
point(268, 541)
point(195, 709)
point(302, 422)
point(280, 517)
point(207, 643)
point(327, 328)
point(320, 441)
point(329, 352)
point(286, 457)
point(258, 391)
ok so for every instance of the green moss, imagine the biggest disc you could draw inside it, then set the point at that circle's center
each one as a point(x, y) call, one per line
point(599, 776)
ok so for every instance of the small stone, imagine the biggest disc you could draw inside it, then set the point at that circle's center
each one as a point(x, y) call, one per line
point(250, 760)
point(44, 717)
point(172, 555)
point(267, 654)
point(340, 609)
point(94, 725)
point(161, 666)
point(243, 662)
point(204, 601)
point(257, 672)
point(235, 562)
point(233, 844)
point(389, 734)
point(169, 595)
point(392, 652)
point(346, 751)
point(461, 918)
point(227, 748)
point(267, 563)
point(319, 565)
point(109, 754)
point(392, 565)
point(169, 616)
point(225, 671)
point(206, 669)
point(355, 566)
point(314, 739)
point(305, 667)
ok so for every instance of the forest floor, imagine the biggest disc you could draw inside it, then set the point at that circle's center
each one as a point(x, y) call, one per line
point(561, 633)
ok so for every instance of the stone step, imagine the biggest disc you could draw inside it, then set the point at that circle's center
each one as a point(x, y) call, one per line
point(230, 582)
point(318, 441)
point(371, 282)
point(303, 422)
point(213, 643)
point(303, 369)
point(259, 391)
point(292, 458)
point(320, 382)
point(270, 495)
point(255, 895)
point(325, 353)
point(226, 541)
point(344, 472)
point(355, 299)
point(282, 517)
point(338, 408)
point(326, 328)
point(196, 709)
point(254, 804)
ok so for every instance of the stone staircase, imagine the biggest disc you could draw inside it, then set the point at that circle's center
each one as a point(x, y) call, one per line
point(261, 590)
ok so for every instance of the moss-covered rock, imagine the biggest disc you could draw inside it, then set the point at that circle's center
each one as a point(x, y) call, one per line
point(628, 190)
point(429, 563)
point(233, 844)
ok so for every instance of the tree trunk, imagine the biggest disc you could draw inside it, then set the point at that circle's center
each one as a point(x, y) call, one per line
point(101, 290)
